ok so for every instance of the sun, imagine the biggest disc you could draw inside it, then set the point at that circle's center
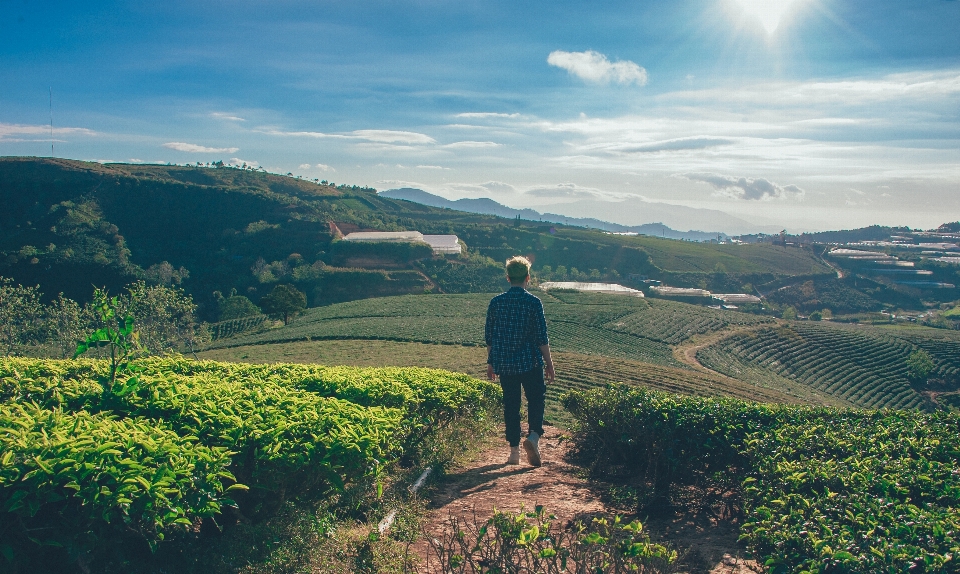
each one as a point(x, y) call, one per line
point(769, 12)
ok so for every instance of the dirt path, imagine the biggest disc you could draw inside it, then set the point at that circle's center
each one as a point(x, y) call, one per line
point(487, 483)
point(687, 351)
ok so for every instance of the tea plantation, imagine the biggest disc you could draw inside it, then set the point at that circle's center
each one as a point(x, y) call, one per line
point(86, 471)
point(821, 489)
point(864, 366)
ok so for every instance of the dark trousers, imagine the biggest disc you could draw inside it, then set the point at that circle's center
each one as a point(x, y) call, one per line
point(535, 390)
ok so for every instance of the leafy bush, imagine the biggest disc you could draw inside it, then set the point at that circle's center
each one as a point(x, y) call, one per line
point(79, 481)
point(531, 542)
point(824, 489)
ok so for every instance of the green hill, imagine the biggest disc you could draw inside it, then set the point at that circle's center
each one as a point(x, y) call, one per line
point(67, 225)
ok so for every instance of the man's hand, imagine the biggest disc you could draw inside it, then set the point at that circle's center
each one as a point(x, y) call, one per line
point(550, 375)
point(490, 374)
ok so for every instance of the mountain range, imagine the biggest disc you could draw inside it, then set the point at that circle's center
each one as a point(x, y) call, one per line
point(657, 219)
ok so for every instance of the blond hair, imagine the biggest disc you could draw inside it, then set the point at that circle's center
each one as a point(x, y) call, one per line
point(517, 269)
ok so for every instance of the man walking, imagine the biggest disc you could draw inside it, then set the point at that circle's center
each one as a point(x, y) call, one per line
point(518, 351)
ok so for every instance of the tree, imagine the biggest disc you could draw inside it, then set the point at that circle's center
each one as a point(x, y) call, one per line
point(920, 365)
point(789, 314)
point(237, 306)
point(21, 316)
point(64, 324)
point(284, 300)
point(166, 317)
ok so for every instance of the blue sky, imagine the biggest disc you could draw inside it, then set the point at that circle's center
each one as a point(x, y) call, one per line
point(836, 115)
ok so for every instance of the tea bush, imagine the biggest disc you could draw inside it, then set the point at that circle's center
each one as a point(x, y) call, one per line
point(824, 489)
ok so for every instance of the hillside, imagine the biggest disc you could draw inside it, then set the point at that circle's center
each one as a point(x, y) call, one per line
point(68, 225)
point(653, 343)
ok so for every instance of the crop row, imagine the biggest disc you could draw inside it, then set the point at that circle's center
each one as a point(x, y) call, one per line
point(673, 323)
point(865, 370)
point(284, 430)
point(613, 326)
point(824, 489)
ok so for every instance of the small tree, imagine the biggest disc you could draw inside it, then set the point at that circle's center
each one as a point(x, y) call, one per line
point(920, 365)
point(64, 322)
point(21, 316)
point(117, 335)
point(166, 319)
point(789, 313)
point(237, 306)
point(284, 300)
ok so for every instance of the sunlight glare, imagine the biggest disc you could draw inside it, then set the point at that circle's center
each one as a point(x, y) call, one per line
point(769, 12)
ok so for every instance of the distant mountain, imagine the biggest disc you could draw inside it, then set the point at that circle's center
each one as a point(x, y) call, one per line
point(488, 206)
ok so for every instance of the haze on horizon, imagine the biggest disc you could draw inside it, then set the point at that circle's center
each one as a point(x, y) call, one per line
point(807, 114)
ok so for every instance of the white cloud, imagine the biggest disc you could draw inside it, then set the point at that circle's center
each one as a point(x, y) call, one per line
point(238, 162)
point(375, 136)
point(677, 144)
point(391, 136)
point(746, 188)
point(324, 167)
point(7, 130)
point(471, 144)
point(194, 148)
point(595, 68)
point(228, 117)
point(431, 167)
point(486, 115)
point(305, 166)
point(563, 191)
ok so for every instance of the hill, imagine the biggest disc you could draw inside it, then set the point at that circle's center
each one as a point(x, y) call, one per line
point(68, 225)
point(488, 206)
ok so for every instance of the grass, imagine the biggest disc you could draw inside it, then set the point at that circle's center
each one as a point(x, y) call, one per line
point(574, 370)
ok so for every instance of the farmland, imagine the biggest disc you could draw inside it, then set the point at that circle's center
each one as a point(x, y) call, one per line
point(97, 474)
point(621, 338)
point(864, 366)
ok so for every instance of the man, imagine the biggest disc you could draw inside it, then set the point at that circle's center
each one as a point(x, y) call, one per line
point(518, 351)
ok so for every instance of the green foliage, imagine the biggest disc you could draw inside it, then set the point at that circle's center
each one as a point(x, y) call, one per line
point(82, 482)
point(825, 490)
point(578, 325)
point(21, 316)
point(120, 340)
point(865, 368)
point(284, 300)
point(343, 253)
point(790, 314)
point(285, 430)
point(236, 307)
point(532, 542)
point(920, 364)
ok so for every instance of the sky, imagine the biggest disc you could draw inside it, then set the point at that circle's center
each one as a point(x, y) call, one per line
point(803, 114)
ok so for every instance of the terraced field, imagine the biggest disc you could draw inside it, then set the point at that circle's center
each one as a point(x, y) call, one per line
point(601, 338)
point(574, 370)
point(863, 366)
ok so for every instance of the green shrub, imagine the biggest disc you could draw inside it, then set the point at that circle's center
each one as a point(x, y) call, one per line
point(824, 489)
point(78, 482)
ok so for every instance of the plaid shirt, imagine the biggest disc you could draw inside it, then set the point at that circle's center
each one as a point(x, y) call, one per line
point(515, 331)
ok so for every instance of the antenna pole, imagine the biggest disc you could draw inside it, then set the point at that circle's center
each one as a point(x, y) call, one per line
point(51, 121)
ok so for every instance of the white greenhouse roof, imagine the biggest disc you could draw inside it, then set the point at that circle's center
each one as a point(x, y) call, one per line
point(443, 243)
point(608, 288)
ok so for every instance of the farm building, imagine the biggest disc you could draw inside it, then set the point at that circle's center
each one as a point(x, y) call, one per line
point(439, 243)
point(443, 243)
point(736, 298)
point(680, 292)
point(608, 288)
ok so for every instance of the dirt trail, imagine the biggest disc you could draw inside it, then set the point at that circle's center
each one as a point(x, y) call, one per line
point(487, 483)
point(686, 352)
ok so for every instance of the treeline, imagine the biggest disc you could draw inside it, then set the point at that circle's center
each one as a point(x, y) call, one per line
point(166, 320)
